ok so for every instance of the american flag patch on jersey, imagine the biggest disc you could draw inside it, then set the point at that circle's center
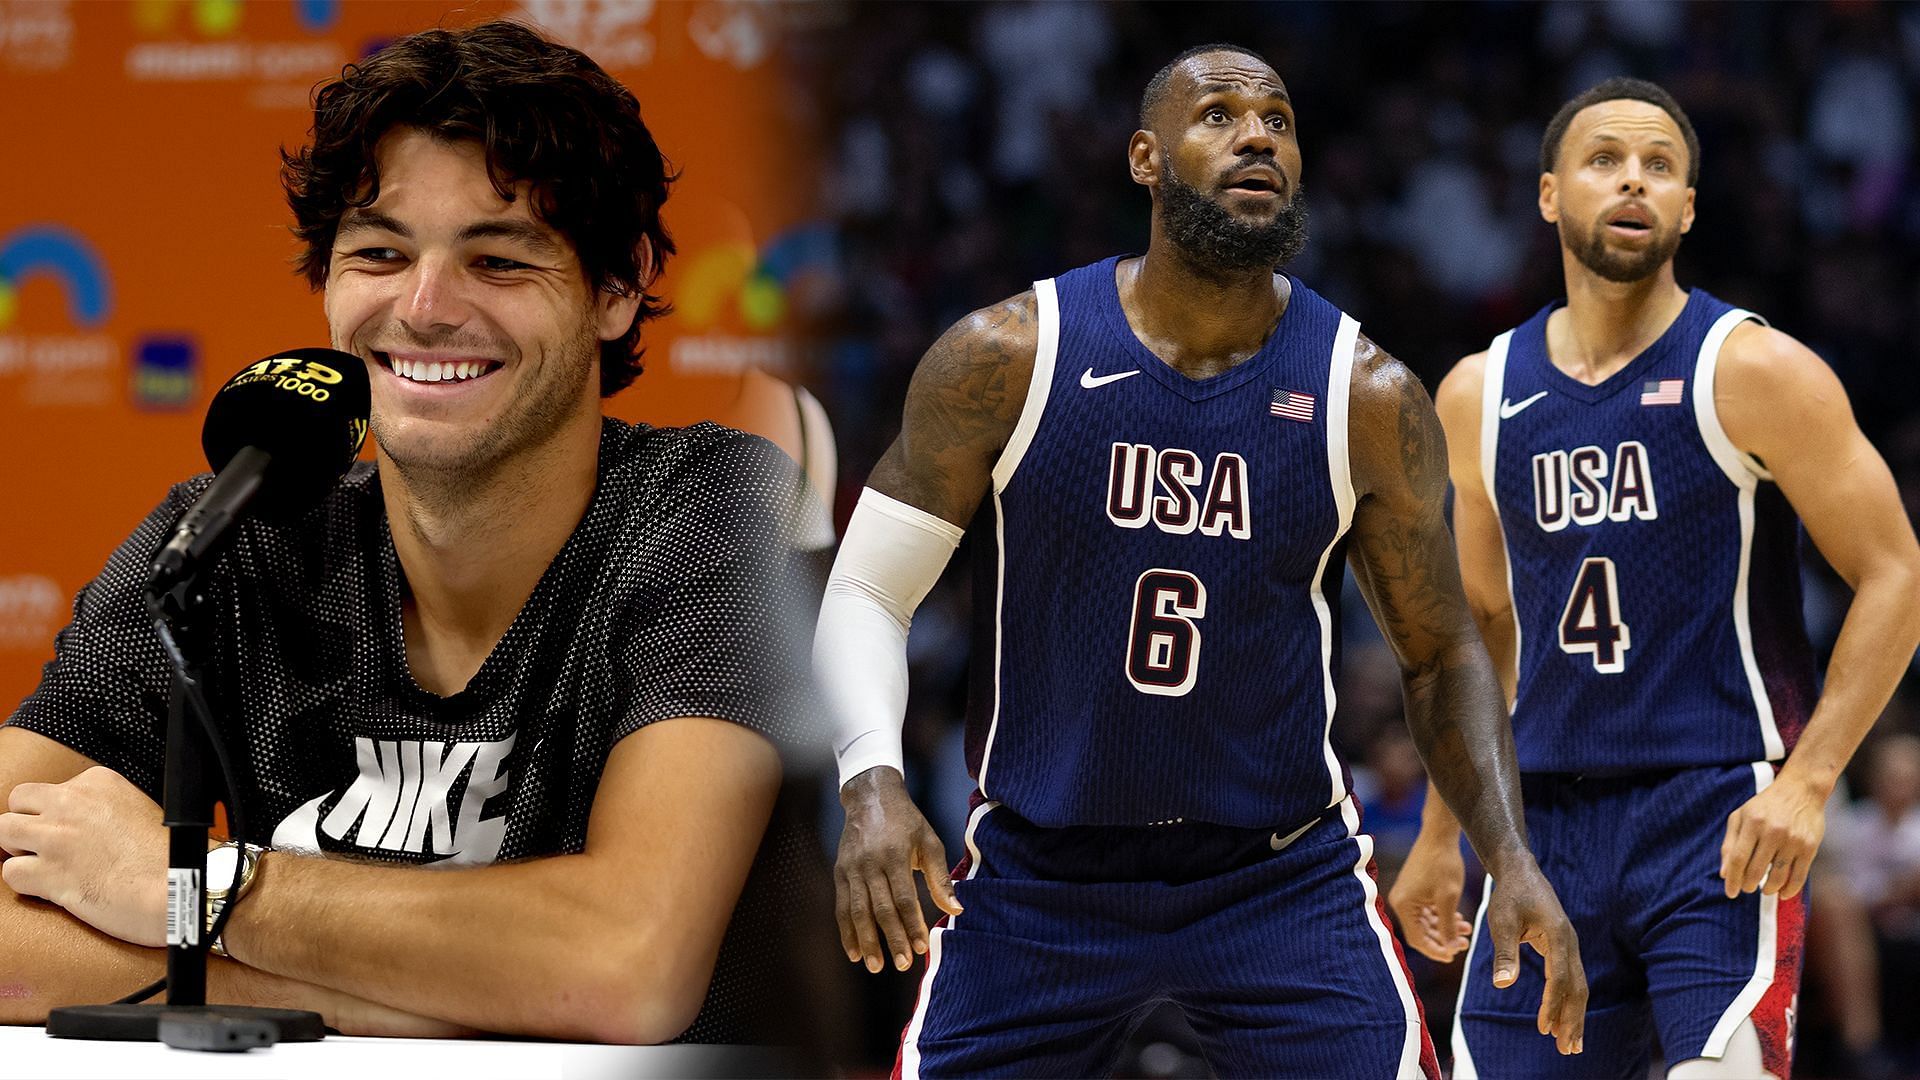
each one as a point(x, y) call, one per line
point(1292, 404)
point(1661, 391)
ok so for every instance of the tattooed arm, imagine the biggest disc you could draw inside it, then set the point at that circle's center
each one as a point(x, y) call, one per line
point(1426, 892)
point(965, 398)
point(962, 406)
point(1402, 556)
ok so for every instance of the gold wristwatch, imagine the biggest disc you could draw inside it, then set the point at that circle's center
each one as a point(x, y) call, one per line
point(230, 870)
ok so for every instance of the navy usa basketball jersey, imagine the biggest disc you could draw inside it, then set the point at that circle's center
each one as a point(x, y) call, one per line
point(1157, 639)
point(1654, 568)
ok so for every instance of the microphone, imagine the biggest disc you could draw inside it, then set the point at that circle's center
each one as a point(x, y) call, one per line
point(280, 434)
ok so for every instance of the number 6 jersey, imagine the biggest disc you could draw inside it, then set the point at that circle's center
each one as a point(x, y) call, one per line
point(1654, 568)
point(1159, 601)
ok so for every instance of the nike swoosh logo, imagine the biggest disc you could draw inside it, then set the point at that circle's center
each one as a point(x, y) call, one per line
point(1088, 380)
point(1511, 409)
point(1279, 843)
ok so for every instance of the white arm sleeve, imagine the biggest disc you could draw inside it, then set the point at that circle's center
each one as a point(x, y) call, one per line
point(892, 555)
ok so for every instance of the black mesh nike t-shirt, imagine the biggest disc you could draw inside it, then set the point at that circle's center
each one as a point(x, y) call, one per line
point(675, 596)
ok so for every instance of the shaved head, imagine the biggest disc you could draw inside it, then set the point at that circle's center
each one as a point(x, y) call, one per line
point(1157, 87)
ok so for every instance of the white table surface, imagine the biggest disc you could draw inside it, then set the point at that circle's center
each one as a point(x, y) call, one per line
point(27, 1052)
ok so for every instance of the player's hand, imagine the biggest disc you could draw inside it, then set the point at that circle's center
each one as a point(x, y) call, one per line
point(1773, 838)
point(1523, 908)
point(1426, 897)
point(885, 840)
point(95, 846)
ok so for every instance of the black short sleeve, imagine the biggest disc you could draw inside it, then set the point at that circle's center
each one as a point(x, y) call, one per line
point(721, 637)
point(104, 694)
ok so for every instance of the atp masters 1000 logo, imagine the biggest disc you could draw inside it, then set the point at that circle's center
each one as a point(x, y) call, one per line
point(310, 381)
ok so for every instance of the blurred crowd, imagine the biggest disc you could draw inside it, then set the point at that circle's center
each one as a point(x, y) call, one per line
point(976, 148)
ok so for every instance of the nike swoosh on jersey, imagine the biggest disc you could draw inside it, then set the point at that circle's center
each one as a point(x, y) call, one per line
point(1279, 843)
point(1511, 409)
point(1089, 380)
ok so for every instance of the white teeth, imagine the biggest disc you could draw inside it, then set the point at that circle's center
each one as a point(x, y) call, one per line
point(431, 371)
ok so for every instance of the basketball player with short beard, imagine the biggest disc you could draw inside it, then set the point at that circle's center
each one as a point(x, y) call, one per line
point(1180, 450)
point(1632, 467)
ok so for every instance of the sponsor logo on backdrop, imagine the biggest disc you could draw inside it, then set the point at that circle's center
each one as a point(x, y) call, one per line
point(733, 285)
point(741, 34)
point(201, 42)
point(32, 610)
point(74, 367)
point(613, 32)
point(36, 36)
point(166, 373)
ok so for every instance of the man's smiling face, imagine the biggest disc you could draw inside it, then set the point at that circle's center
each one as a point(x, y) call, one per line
point(476, 321)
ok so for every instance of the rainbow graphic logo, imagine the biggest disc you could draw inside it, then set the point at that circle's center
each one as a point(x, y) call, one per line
point(317, 16)
point(221, 18)
point(757, 282)
point(64, 255)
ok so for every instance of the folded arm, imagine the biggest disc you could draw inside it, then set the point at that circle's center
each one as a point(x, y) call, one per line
point(616, 944)
point(50, 959)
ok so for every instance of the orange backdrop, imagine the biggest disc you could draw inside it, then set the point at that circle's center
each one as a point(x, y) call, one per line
point(144, 251)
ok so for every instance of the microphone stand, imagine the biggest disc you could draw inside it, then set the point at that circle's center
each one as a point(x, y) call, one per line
point(178, 606)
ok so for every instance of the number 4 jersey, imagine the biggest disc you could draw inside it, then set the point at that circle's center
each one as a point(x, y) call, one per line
point(1157, 641)
point(1654, 568)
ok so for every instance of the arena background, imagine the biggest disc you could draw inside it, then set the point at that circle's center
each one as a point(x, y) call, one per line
point(858, 176)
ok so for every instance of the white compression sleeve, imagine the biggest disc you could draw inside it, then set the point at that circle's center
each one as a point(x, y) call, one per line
point(891, 557)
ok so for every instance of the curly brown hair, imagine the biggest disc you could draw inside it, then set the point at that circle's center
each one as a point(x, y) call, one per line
point(547, 116)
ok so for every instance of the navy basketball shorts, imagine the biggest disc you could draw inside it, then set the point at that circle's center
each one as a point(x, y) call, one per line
point(1275, 946)
point(1672, 964)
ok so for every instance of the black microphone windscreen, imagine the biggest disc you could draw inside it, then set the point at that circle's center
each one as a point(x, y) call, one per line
point(305, 407)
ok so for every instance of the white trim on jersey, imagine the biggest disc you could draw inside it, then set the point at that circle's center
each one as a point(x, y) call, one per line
point(1463, 1066)
point(1493, 385)
point(910, 1041)
point(1047, 308)
point(1340, 477)
point(1409, 1068)
point(1737, 465)
point(1047, 301)
point(1765, 954)
point(1339, 395)
point(1746, 474)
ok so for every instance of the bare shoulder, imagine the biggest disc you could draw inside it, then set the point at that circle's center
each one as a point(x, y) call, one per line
point(993, 346)
point(1761, 361)
point(962, 405)
point(1394, 436)
point(1458, 396)
point(1380, 382)
point(1776, 397)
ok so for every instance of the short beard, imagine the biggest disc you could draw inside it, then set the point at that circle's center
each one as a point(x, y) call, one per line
point(1624, 268)
point(526, 424)
point(1210, 238)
